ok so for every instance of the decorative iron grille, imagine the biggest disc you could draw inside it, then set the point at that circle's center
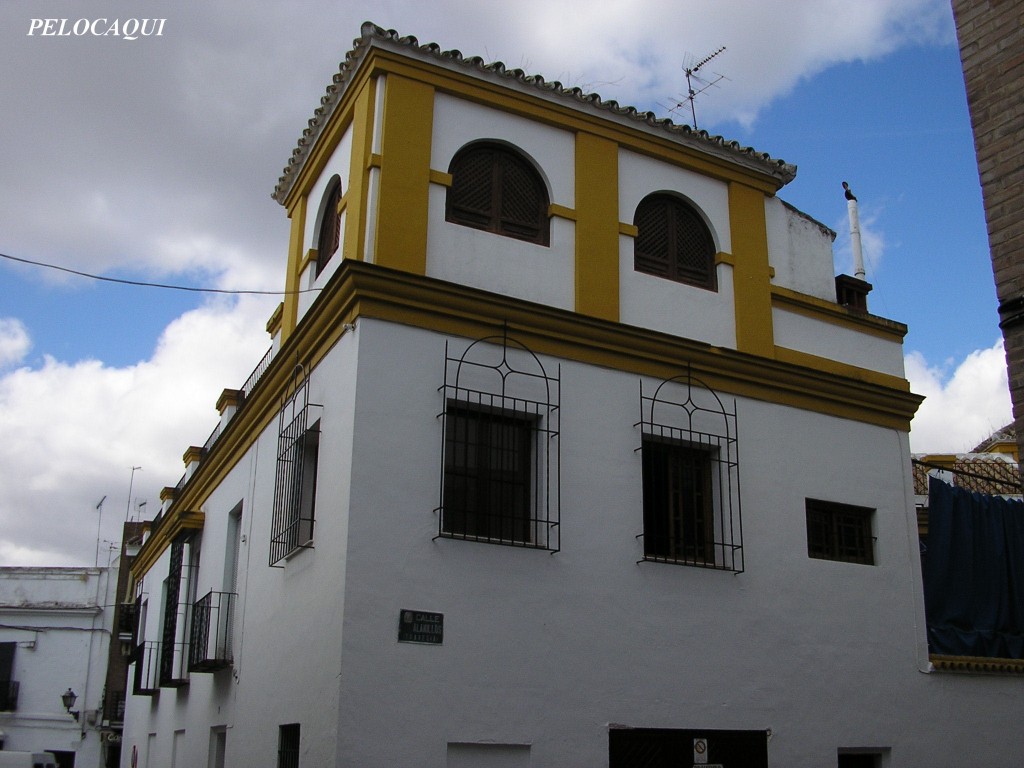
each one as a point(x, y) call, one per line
point(501, 460)
point(298, 446)
point(691, 482)
point(210, 640)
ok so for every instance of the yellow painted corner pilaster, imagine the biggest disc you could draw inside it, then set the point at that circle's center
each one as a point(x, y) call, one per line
point(357, 193)
point(291, 281)
point(597, 226)
point(751, 271)
point(400, 230)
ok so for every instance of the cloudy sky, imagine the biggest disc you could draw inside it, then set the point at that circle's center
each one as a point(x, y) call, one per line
point(153, 160)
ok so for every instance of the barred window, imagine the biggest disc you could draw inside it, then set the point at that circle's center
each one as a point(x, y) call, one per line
point(288, 745)
point(298, 452)
point(690, 471)
point(329, 234)
point(673, 242)
point(839, 532)
point(496, 189)
point(500, 456)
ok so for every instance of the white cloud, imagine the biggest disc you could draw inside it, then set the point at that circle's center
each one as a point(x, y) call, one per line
point(72, 432)
point(965, 401)
point(14, 341)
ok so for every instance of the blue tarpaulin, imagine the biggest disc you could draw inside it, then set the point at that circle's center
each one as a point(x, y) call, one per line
point(974, 573)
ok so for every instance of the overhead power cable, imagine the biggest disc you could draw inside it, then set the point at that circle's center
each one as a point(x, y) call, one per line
point(145, 284)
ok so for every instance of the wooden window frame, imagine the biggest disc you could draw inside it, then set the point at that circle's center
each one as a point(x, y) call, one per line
point(496, 189)
point(674, 242)
point(329, 235)
point(840, 532)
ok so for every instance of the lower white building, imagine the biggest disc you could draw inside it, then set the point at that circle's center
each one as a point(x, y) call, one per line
point(570, 450)
point(55, 629)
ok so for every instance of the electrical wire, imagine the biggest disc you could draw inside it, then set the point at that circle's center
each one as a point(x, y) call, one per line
point(144, 284)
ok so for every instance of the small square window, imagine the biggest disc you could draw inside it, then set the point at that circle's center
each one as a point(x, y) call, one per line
point(839, 532)
point(487, 475)
point(678, 502)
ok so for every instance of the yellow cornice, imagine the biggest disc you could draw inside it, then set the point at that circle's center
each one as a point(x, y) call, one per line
point(362, 290)
point(829, 312)
point(173, 525)
point(517, 100)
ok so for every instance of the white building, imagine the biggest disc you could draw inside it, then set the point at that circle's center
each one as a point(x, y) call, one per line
point(565, 454)
point(54, 635)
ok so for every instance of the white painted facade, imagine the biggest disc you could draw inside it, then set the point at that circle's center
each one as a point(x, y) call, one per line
point(543, 652)
point(59, 622)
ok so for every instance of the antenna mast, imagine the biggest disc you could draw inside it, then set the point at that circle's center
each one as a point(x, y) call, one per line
point(691, 75)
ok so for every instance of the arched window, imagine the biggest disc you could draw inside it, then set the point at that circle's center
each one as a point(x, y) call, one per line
point(497, 190)
point(673, 242)
point(330, 225)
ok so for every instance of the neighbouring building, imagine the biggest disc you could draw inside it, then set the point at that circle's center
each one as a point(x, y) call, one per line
point(991, 35)
point(55, 628)
point(564, 453)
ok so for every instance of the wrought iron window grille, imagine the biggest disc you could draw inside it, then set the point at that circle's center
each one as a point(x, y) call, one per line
point(840, 532)
point(690, 468)
point(298, 447)
point(500, 446)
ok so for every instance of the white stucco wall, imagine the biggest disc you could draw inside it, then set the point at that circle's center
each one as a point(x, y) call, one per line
point(287, 620)
point(828, 340)
point(647, 301)
point(547, 649)
point(543, 274)
point(800, 251)
point(58, 620)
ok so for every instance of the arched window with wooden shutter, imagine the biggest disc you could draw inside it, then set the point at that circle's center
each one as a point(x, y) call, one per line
point(673, 242)
point(496, 189)
point(329, 237)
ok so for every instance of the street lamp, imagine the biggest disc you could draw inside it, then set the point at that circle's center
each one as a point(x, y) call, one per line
point(68, 698)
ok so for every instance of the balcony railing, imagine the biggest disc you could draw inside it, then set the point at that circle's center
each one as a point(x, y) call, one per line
point(173, 665)
point(8, 695)
point(210, 641)
point(113, 707)
point(147, 668)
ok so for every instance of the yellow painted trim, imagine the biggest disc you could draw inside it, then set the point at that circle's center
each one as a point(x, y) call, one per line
point(725, 258)
point(814, 362)
point(441, 178)
point(977, 664)
point(751, 286)
point(274, 321)
point(357, 196)
point(597, 227)
point(342, 203)
point(169, 528)
point(311, 255)
point(561, 211)
point(830, 312)
point(629, 134)
point(629, 230)
point(294, 268)
point(229, 398)
point(361, 290)
point(400, 230)
point(192, 453)
point(375, 161)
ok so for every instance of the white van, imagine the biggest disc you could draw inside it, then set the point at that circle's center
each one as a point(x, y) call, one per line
point(27, 760)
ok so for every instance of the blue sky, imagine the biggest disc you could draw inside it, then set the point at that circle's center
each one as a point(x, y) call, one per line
point(154, 160)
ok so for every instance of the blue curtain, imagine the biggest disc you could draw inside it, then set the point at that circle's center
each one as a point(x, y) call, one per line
point(974, 573)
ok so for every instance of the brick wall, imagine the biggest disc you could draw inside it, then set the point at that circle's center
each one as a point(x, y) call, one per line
point(991, 34)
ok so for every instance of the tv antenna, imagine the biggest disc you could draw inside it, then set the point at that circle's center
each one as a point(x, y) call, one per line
point(696, 84)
